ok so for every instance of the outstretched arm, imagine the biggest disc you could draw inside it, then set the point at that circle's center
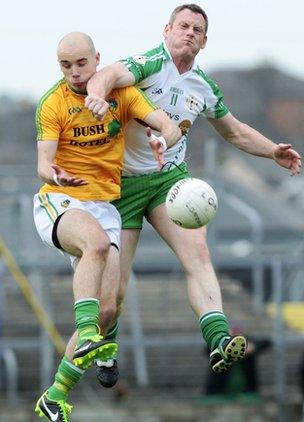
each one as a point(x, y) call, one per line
point(253, 142)
point(51, 173)
point(102, 83)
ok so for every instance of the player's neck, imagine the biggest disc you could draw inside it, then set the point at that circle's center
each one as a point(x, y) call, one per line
point(183, 65)
point(77, 91)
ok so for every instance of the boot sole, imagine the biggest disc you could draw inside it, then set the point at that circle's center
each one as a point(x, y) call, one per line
point(235, 351)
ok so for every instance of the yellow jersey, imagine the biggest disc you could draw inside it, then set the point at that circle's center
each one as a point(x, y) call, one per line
point(89, 148)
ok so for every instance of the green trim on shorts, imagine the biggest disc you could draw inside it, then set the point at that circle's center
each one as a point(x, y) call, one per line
point(141, 194)
point(48, 206)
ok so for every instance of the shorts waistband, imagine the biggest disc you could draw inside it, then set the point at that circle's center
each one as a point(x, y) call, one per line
point(176, 167)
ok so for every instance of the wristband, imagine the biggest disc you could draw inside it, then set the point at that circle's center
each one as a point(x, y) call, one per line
point(161, 139)
point(55, 178)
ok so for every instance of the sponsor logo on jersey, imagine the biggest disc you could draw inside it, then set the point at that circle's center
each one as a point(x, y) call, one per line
point(184, 126)
point(65, 203)
point(176, 90)
point(172, 116)
point(94, 143)
point(140, 59)
point(74, 110)
point(88, 130)
point(158, 91)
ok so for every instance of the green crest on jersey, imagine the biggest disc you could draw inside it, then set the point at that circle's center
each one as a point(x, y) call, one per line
point(114, 128)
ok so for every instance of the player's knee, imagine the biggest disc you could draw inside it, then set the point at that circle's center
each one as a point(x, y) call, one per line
point(198, 255)
point(203, 250)
point(99, 246)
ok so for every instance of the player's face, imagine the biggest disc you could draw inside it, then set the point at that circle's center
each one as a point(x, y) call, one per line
point(78, 66)
point(186, 36)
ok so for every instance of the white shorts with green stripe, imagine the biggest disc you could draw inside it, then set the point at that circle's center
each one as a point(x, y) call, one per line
point(48, 207)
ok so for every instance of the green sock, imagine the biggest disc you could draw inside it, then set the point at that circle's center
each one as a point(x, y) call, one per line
point(214, 326)
point(87, 318)
point(112, 331)
point(66, 378)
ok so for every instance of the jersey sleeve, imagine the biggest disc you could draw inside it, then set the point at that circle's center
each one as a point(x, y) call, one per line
point(214, 106)
point(146, 64)
point(47, 122)
point(134, 104)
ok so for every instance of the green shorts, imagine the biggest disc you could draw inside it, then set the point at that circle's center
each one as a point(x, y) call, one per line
point(140, 194)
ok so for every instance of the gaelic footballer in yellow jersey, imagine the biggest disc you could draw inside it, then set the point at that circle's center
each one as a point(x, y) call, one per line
point(80, 160)
point(89, 148)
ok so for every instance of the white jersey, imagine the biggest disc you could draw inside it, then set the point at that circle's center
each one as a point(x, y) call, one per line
point(183, 97)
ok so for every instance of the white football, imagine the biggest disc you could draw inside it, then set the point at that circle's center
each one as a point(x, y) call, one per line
point(191, 203)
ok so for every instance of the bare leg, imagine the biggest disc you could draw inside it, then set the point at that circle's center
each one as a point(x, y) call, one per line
point(129, 240)
point(109, 290)
point(191, 249)
point(81, 235)
point(108, 299)
point(203, 289)
point(107, 371)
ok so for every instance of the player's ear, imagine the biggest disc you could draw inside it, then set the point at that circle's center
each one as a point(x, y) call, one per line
point(204, 42)
point(97, 58)
point(166, 29)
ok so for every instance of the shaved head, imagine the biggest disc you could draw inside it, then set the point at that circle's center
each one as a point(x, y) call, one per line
point(75, 41)
point(78, 59)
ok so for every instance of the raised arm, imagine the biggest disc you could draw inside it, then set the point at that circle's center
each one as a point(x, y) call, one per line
point(48, 171)
point(253, 142)
point(102, 83)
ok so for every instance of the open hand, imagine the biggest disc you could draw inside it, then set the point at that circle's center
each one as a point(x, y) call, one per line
point(64, 179)
point(288, 158)
point(158, 146)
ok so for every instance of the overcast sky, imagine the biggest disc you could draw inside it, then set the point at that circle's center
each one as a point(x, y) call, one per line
point(243, 34)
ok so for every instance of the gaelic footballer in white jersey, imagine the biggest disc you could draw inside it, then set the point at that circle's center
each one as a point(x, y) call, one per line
point(183, 97)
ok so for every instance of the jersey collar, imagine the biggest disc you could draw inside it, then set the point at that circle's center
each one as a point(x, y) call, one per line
point(168, 56)
point(75, 92)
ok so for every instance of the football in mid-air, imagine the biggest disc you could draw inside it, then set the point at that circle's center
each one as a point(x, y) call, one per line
point(191, 203)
